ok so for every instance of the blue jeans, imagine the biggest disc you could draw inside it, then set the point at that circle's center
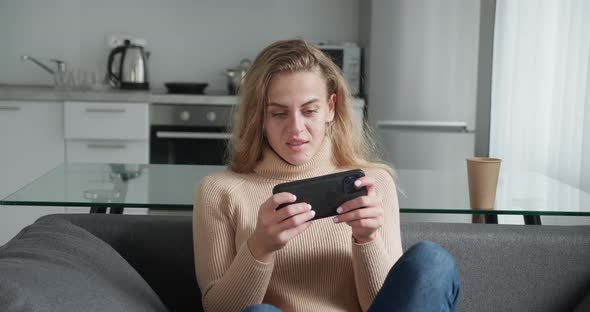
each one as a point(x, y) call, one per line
point(423, 279)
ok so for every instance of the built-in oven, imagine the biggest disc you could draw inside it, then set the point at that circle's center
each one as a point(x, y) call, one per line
point(189, 134)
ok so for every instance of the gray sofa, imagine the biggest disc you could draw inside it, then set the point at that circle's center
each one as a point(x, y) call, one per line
point(501, 267)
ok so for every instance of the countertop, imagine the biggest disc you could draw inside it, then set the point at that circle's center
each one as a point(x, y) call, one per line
point(48, 93)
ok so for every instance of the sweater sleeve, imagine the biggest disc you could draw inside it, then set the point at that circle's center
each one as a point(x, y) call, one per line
point(229, 277)
point(373, 260)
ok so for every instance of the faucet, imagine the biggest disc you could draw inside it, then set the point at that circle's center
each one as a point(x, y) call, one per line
point(61, 65)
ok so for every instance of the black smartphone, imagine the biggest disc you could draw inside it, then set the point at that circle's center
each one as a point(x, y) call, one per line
point(324, 193)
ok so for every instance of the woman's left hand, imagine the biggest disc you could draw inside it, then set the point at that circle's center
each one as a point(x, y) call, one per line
point(364, 213)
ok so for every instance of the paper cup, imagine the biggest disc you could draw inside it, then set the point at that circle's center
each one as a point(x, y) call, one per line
point(482, 174)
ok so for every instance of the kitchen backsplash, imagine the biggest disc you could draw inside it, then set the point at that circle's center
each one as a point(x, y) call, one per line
point(189, 40)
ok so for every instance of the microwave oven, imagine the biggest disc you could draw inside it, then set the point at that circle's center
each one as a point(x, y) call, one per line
point(348, 57)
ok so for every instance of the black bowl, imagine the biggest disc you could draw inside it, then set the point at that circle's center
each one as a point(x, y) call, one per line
point(186, 87)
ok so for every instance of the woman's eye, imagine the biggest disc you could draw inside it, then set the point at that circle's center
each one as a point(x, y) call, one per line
point(311, 111)
point(278, 114)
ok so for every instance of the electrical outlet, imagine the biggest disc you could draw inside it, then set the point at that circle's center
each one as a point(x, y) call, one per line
point(114, 41)
point(139, 41)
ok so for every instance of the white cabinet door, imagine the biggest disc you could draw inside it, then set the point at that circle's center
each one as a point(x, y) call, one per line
point(107, 132)
point(107, 151)
point(106, 120)
point(423, 70)
point(31, 143)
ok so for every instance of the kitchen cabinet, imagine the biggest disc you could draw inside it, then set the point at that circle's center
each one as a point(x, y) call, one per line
point(107, 132)
point(106, 120)
point(31, 143)
point(107, 151)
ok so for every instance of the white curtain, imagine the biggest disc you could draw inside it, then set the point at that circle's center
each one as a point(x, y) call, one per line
point(540, 85)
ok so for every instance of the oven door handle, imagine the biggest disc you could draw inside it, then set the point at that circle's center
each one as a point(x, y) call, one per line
point(192, 135)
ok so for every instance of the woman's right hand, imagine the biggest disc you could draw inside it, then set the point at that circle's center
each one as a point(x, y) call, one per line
point(275, 228)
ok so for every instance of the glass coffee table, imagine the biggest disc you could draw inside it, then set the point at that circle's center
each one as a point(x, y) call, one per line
point(110, 188)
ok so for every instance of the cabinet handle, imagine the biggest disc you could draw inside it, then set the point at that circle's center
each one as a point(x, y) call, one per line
point(110, 146)
point(452, 126)
point(193, 135)
point(105, 110)
point(9, 108)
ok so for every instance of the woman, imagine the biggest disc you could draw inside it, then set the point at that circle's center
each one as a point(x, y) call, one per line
point(294, 122)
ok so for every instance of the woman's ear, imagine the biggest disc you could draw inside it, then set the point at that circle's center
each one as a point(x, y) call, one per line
point(331, 107)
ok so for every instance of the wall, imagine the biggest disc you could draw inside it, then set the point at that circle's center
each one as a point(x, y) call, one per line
point(189, 40)
point(585, 178)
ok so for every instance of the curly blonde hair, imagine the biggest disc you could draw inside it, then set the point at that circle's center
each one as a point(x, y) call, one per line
point(351, 147)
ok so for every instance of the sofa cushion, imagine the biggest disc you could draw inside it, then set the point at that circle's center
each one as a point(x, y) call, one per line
point(53, 265)
point(159, 247)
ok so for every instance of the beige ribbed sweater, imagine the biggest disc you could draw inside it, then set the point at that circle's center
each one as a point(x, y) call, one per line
point(322, 269)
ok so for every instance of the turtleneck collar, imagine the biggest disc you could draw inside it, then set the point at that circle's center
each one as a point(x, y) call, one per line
point(274, 167)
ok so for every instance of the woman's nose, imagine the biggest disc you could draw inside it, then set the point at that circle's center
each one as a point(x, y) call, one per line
point(296, 124)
